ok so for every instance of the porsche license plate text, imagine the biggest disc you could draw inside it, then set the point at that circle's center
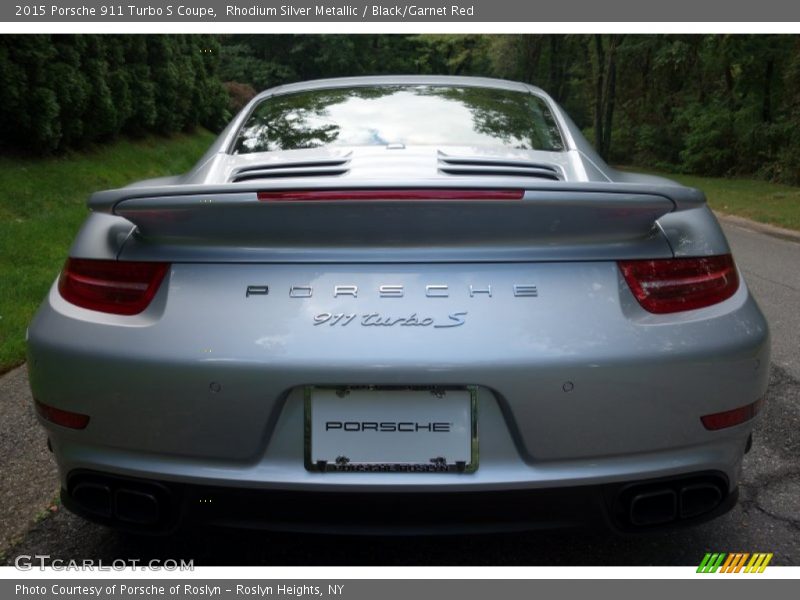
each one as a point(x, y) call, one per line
point(372, 429)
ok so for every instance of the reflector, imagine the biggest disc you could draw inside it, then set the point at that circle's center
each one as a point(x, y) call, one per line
point(61, 417)
point(730, 418)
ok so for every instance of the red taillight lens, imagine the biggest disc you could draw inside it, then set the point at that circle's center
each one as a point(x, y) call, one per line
point(122, 288)
point(61, 417)
point(673, 285)
point(388, 194)
point(729, 418)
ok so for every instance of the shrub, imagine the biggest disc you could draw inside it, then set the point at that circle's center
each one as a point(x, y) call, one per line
point(239, 94)
point(65, 91)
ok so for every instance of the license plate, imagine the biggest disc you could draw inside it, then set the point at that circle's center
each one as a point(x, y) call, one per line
point(391, 430)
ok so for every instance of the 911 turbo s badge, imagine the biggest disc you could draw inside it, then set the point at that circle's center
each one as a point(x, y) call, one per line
point(374, 319)
point(378, 319)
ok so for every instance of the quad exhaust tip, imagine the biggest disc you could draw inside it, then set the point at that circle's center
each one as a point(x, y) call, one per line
point(139, 508)
point(654, 508)
point(140, 504)
point(698, 499)
point(147, 506)
point(654, 504)
point(94, 498)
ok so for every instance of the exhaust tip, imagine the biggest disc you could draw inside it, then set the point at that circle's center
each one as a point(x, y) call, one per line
point(126, 503)
point(136, 507)
point(682, 499)
point(699, 499)
point(654, 508)
point(93, 497)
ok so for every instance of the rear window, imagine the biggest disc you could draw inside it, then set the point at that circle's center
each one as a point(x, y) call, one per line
point(403, 114)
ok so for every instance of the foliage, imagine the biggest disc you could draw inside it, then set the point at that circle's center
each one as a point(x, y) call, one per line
point(711, 104)
point(66, 91)
point(239, 94)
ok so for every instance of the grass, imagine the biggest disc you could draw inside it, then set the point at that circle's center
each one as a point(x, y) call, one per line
point(42, 205)
point(52, 508)
point(760, 201)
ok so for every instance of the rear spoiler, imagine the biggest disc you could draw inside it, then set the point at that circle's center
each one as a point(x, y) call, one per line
point(106, 201)
point(548, 221)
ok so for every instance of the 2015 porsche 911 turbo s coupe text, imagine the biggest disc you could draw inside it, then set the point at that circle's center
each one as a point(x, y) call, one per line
point(399, 304)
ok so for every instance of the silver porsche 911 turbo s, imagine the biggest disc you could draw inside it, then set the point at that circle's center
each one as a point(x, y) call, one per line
point(410, 304)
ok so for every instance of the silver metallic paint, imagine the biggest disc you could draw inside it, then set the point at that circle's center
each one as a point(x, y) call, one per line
point(639, 381)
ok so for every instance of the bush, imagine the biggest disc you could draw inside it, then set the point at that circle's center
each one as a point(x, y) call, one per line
point(65, 91)
point(710, 140)
point(239, 94)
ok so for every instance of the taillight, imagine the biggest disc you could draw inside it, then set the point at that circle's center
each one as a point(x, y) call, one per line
point(676, 284)
point(730, 418)
point(111, 286)
point(388, 194)
point(61, 417)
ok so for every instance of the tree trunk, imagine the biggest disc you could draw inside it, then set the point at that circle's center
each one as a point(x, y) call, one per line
point(533, 51)
point(729, 83)
point(598, 93)
point(609, 95)
point(555, 50)
point(766, 109)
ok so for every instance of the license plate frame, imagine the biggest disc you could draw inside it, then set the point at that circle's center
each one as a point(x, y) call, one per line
point(435, 465)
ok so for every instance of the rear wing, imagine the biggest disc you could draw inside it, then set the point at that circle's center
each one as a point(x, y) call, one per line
point(375, 221)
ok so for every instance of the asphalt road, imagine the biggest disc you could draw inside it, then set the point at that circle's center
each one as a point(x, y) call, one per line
point(771, 267)
point(767, 518)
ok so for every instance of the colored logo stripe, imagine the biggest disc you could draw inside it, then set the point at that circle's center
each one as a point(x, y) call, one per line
point(758, 563)
point(734, 562)
point(711, 563)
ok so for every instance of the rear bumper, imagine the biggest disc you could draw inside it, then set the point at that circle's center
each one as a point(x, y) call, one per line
point(503, 463)
point(578, 387)
point(154, 507)
point(579, 371)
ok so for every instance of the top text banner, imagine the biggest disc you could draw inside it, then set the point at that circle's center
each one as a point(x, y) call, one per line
point(295, 11)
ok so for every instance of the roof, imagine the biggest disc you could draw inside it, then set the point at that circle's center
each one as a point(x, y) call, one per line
point(452, 80)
